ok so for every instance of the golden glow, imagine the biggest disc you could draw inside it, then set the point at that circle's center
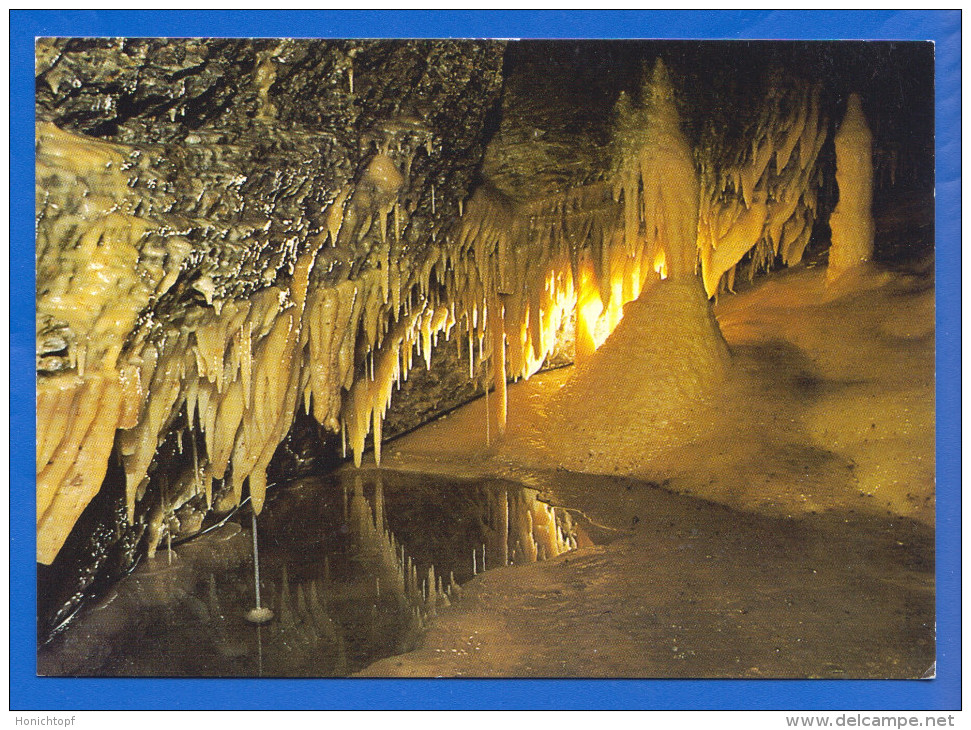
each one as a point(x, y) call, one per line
point(660, 267)
point(852, 220)
point(589, 309)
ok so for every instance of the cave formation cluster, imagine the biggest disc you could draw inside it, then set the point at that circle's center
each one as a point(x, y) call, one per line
point(233, 235)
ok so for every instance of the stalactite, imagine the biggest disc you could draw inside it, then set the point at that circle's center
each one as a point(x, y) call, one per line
point(760, 206)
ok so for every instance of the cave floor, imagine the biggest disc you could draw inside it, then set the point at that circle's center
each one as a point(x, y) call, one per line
point(799, 542)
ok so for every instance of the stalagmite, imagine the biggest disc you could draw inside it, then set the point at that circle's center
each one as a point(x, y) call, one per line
point(662, 161)
point(728, 250)
point(852, 220)
point(643, 387)
point(667, 354)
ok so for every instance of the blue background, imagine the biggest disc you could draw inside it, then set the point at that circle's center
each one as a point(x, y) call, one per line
point(29, 692)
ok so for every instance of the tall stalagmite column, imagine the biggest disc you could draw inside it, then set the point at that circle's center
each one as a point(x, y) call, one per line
point(852, 221)
point(658, 179)
point(670, 180)
point(639, 393)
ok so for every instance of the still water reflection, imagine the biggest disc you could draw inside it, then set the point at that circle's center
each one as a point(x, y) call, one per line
point(352, 566)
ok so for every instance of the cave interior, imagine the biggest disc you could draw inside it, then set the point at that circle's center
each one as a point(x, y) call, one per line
point(518, 358)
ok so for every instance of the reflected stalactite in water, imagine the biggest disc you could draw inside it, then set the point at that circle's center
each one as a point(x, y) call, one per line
point(349, 570)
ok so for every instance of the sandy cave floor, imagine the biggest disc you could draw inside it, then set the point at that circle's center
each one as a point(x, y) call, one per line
point(796, 542)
